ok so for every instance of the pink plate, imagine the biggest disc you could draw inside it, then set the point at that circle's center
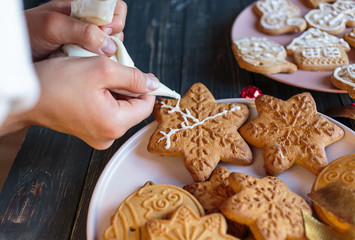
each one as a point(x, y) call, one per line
point(245, 25)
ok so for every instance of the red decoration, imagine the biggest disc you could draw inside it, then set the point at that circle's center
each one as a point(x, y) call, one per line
point(353, 104)
point(250, 92)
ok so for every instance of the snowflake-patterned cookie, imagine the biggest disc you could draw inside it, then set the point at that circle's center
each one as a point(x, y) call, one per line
point(200, 131)
point(270, 209)
point(185, 224)
point(291, 132)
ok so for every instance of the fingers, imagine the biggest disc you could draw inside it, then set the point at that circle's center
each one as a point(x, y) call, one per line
point(118, 21)
point(79, 32)
point(116, 76)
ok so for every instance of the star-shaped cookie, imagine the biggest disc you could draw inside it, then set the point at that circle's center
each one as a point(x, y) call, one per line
point(270, 209)
point(200, 131)
point(291, 132)
point(186, 224)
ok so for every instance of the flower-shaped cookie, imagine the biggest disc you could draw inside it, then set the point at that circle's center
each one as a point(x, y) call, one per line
point(344, 78)
point(270, 209)
point(291, 132)
point(200, 131)
point(186, 224)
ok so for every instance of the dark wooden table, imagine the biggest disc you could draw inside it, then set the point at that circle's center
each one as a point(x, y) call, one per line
point(48, 190)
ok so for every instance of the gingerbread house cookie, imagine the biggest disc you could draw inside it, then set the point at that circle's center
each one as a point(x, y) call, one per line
point(315, 3)
point(279, 17)
point(316, 50)
point(332, 18)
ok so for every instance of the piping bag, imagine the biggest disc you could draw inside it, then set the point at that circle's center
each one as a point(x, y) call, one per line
point(100, 12)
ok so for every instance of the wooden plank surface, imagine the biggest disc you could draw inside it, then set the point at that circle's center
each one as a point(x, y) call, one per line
point(48, 191)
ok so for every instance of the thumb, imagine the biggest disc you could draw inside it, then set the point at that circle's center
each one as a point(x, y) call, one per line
point(85, 34)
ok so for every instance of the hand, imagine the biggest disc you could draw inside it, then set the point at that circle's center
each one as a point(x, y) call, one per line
point(50, 26)
point(75, 98)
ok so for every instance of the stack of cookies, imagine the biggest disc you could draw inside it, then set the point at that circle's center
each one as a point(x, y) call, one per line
point(317, 49)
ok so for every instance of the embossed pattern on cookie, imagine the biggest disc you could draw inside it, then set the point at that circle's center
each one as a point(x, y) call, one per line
point(149, 202)
point(316, 50)
point(185, 224)
point(270, 209)
point(291, 132)
point(200, 131)
point(341, 170)
point(332, 18)
point(262, 56)
point(344, 78)
point(279, 17)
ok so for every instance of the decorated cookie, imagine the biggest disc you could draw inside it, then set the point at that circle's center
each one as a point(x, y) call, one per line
point(291, 132)
point(200, 131)
point(212, 193)
point(185, 224)
point(262, 56)
point(149, 202)
point(350, 38)
point(316, 50)
point(270, 209)
point(341, 170)
point(344, 78)
point(332, 18)
point(279, 17)
point(315, 3)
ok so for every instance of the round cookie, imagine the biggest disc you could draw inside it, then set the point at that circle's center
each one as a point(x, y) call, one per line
point(350, 38)
point(149, 202)
point(342, 170)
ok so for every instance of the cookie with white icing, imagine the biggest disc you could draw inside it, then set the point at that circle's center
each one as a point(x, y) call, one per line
point(262, 56)
point(315, 3)
point(279, 17)
point(344, 78)
point(350, 38)
point(332, 18)
point(316, 50)
point(200, 131)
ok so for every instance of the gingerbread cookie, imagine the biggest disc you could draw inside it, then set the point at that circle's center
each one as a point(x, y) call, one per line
point(270, 209)
point(332, 18)
point(212, 193)
point(315, 3)
point(291, 132)
point(344, 78)
point(262, 56)
point(279, 17)
point(316, 50)
point(350, 38)
point(185, 224)
point(149, 202)
point(200, 131)
point(341, 170)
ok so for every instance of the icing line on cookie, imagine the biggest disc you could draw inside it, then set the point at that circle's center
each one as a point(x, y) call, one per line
point(185, 124)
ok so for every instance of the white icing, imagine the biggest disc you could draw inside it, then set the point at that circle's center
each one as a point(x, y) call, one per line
point(186, 123)
point(330, 52)
point(345, 74)
point(253, 50)
point(313, 38)
point(331, 17)
point(278, 14)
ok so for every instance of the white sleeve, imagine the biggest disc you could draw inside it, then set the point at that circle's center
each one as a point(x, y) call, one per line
point(19, 87)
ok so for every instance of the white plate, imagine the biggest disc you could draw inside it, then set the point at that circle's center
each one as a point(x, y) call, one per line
point(132, 165)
